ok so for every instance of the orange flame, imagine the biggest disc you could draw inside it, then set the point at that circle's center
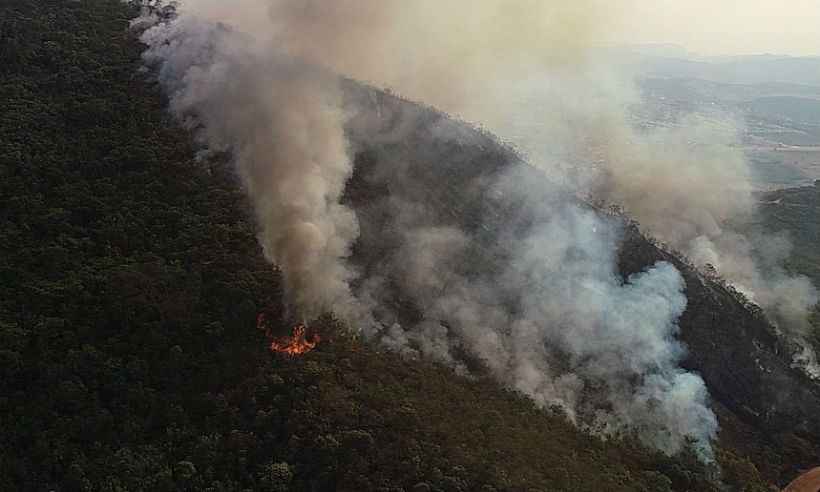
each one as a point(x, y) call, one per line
point(295, 344)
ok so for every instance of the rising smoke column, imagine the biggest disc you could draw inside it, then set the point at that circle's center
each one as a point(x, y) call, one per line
point(576, 329)
point(282, 122)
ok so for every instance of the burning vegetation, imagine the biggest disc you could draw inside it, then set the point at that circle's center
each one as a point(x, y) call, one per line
point(298, 343)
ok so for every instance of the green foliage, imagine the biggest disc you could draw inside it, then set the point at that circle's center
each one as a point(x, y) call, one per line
point(129, 284)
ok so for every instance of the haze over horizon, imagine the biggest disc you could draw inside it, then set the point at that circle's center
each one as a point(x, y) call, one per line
point(729, 27)
point(702, 28)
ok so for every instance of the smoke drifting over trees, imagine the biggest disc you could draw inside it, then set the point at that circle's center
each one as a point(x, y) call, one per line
point(554, 320)
point(685, 184)
point(282, 121)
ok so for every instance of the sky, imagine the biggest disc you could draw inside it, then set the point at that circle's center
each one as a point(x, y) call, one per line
point(703, 27)
point(720, 27)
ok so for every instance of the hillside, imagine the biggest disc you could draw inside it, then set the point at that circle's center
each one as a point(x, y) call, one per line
point(796, 212)
point(754, 69)
point(132, 279)
point(731, 344)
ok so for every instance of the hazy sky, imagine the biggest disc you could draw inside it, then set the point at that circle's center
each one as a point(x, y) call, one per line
point(712, 27)
point(706, 27)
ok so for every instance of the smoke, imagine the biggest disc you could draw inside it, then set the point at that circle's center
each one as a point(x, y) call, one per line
point(754, 265)
point(532, 71)
point(549, 316)
point(447, 54)
point(689, 185)
point(545, 310)
point(282, 121)
point(571, 110)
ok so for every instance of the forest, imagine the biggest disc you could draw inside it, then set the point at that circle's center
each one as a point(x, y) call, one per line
point(130, 286)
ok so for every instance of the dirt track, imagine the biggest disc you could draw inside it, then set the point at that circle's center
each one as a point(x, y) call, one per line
point(808, 482)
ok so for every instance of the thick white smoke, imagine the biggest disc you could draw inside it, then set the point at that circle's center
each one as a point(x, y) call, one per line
point(686, 181)
point(689, 185)
point(556, 322)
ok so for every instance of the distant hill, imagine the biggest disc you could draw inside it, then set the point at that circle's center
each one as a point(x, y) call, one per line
point(797, 109)
point(796, 212)
point(744, 70)
point(779, 122)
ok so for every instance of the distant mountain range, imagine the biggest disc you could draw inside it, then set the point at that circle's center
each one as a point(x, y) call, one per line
point(674, 62)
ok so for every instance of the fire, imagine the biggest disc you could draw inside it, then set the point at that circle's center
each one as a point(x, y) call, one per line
point(296, 344)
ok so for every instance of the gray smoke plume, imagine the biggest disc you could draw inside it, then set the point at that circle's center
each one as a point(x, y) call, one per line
point(282, 121)
point(689, 185)
point(754, 265)
point(551, 317)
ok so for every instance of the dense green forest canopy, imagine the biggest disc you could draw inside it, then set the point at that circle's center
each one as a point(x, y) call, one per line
point(130, 283)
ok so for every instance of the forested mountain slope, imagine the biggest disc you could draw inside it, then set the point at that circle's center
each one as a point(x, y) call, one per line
point(746, 366)
point(131, 281)
point(795, 212)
